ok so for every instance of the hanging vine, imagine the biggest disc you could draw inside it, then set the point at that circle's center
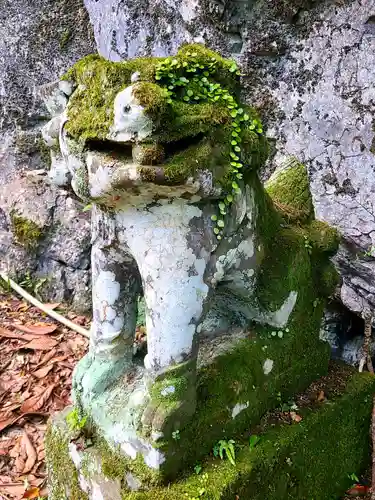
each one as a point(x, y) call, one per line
point(191, 81)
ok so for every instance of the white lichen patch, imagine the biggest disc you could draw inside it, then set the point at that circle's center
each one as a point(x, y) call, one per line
point(154, 458)
point(107, 289)
point(267, 366)
point(158, 239)
point(238, 408)
point(168, 390)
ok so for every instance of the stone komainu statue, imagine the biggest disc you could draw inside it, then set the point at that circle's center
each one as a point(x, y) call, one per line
point(168, 157)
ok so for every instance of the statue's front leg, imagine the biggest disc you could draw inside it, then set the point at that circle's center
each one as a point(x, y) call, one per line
point(115, 291)
point(171, 244)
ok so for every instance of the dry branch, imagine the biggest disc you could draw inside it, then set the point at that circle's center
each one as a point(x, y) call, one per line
point(35, 302)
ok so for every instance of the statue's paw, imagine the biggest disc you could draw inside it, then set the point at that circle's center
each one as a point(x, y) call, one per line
point(79, 372)
point(101, 374)
point(163, 418)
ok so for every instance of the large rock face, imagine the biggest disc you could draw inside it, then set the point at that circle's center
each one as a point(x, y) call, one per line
point(41, 228)
point(327, 96)
point(309, 66)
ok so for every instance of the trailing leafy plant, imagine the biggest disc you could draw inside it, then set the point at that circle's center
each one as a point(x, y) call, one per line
point(176, 435)
point(190, 81)
point(226, 447)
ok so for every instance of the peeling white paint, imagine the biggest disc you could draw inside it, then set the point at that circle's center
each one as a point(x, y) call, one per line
point(157, 239)
point(154, 458)
point(130, 450)
point(168, 390)
point(267, 366)
point(107, 289)
point(281, 316)
point(238, 408)
point(99, 181)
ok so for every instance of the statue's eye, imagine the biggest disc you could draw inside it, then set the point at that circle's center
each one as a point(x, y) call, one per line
point(127, 109)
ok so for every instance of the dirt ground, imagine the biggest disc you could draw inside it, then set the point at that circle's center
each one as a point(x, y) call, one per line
point(37, 356)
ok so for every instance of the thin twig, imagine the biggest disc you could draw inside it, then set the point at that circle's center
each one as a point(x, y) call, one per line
point(35, 302)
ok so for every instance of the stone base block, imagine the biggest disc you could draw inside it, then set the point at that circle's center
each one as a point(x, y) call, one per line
point(310, 459)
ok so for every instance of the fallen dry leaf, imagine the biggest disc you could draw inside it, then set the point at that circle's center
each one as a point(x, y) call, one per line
point(8, 422)
point(358, 490)
point(32, 492)
point(15, 335)
point(39, 329)
point(47, 357)
point(41, 344)
point(295, 417)
point(30, 453)
point(15, 489)
point(43, 372)
point(35, 403)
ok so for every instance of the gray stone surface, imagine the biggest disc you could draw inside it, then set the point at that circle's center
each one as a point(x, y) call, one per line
point(309, 66)
point(327, 96)
point(39, 40)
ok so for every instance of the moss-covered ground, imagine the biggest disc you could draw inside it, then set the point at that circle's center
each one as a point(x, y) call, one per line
point(309, 460)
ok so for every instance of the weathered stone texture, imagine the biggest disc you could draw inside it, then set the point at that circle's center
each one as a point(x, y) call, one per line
point(310, 67)
point(39, 40)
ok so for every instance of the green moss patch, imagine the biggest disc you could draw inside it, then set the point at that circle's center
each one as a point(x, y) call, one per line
point(190, 96)
point(290, 192)
point(26, 231)
point(307, 460)
point(62, 473)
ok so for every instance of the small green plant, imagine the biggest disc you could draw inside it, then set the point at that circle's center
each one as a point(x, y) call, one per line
point(370, 252)
point(32, 285)
point(201, 489)
point(5, 285)
point(316, 303)
point(176, 435)
point(198, 469)
point(75, 421)
point(288, 406)
point(253, 441)
point(226, 447)
point(308, 245)
point(87, 208)
point(354, 478)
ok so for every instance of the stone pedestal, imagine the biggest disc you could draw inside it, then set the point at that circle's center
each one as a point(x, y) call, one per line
point(234, 286)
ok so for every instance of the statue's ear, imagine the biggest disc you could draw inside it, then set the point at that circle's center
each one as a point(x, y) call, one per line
point(55, 95)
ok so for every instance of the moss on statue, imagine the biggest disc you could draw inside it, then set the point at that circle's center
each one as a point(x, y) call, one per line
point(64, 482)
point(290, 191)
point(91, 109)
point(26, 231)
point(305, 460)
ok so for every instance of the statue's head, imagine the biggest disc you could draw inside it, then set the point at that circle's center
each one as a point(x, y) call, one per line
point(157, 127)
